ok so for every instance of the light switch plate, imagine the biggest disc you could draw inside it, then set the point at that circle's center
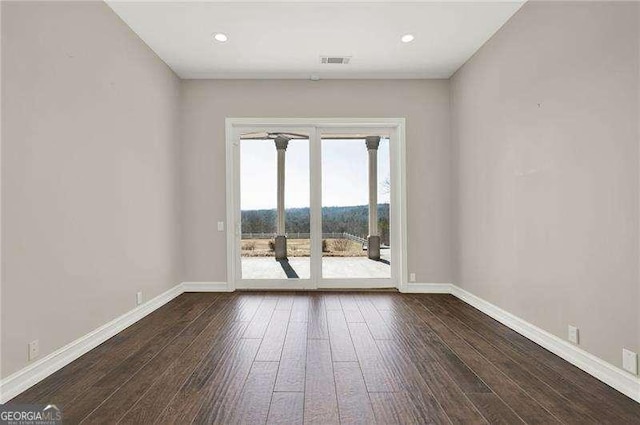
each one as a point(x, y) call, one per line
point(221, 226)
point(630, 361)
point(34, 349)
point(139, 298)
point(573, 334)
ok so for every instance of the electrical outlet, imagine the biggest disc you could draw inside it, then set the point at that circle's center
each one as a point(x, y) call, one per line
point(221, 226)
point(630, 361)
point(573, 334)
point(139, 298)
point(412, 277)
point(34, 349)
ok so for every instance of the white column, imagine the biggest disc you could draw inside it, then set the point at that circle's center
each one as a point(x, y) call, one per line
point(372, 146)
point(281, 242)
point(281, 146)
point(373, 244)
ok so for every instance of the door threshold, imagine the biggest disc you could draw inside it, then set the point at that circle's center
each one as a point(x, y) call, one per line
point(319, 290)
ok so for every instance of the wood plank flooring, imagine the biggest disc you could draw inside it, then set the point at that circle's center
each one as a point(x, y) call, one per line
point(325, 358)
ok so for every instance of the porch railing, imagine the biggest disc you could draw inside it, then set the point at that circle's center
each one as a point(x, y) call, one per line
point(300, 235)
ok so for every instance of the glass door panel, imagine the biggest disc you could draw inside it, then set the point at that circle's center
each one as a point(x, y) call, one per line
point(355, 205)
point(275, 234)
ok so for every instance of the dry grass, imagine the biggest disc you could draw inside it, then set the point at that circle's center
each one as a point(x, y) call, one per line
point(340, 245)
point(248, 245)
point(301, 248)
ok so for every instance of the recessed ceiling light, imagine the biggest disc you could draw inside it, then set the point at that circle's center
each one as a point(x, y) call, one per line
point(407, 38)
point(314, 77)
point(220, 37)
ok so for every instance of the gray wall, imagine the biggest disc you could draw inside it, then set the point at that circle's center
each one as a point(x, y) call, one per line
point(545, 147)
point(89, 175)
point(424, 103)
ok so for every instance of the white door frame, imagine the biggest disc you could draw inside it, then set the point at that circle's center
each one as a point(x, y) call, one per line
point(314, 126)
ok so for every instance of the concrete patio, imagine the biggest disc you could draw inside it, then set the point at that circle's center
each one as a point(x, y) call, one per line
point(332, 267)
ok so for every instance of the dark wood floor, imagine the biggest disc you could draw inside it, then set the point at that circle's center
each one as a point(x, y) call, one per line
point(325, 358)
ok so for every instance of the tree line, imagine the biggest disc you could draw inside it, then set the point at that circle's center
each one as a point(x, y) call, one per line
point(350, 219)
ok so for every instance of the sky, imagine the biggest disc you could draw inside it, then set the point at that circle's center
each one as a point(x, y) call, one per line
point(344, 173)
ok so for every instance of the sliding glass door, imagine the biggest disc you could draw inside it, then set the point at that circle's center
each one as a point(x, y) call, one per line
point(312, 207)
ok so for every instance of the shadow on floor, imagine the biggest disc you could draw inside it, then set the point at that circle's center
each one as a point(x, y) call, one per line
point(288, 270)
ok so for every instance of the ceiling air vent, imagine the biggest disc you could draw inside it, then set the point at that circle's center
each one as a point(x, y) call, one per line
point(338, 60)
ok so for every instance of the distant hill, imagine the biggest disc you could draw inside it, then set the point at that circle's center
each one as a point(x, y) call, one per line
point(352, 219)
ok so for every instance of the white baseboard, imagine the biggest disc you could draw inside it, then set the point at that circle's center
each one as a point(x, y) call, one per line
point(427, 288)
point(25, 378)
point(205, 287)
point(609, 374)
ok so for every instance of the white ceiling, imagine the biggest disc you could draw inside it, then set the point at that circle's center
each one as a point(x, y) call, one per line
point(272, 39)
